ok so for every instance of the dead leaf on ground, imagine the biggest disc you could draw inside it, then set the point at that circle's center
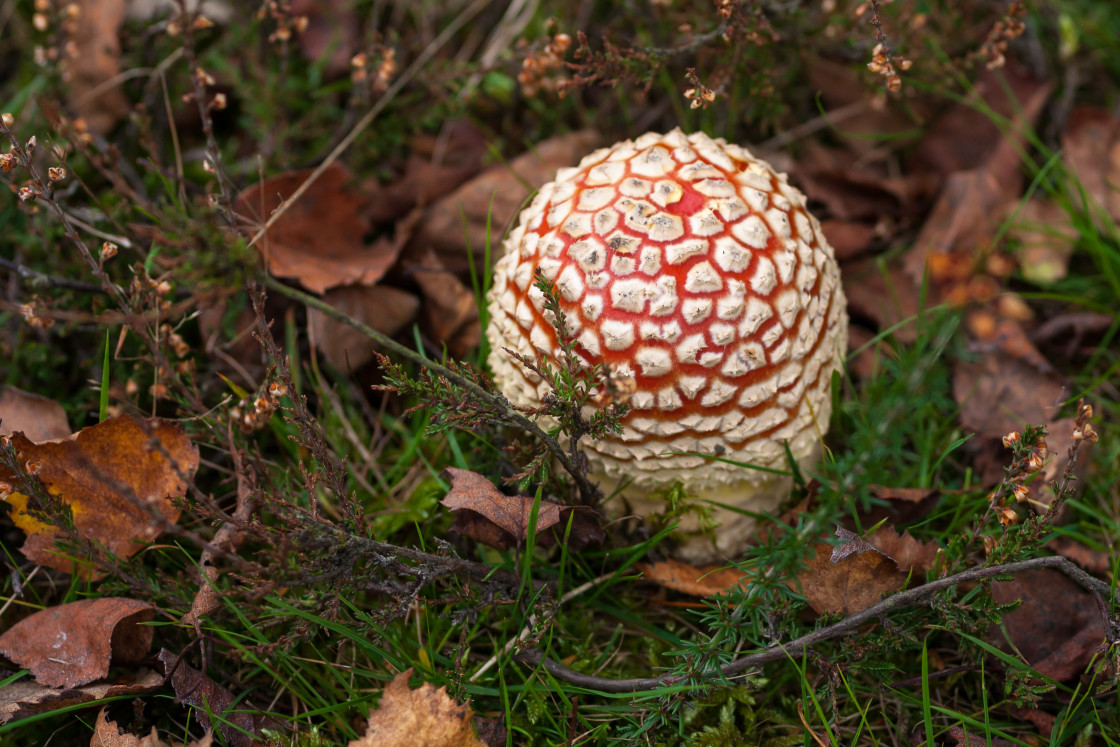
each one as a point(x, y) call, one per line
point(74, 644)
point(1094, 561)
point(963, 135)
point(106, 733)
point(424, 717)
point(1091, 145)
point(24, 698)
point(998, 394)
point(485, 514)
point(886, 296)
point(850, 585)
point(460, 219)
point(95, 93)
point(450, 310)
point(436, 165)
point(384, 308)
point(704, 581)
point(38, 418)
point(320, 239)
point(1058, 627)
point(204, 695)
point(848, 238)
point(332, 29)
point(855, 574)
point(958, 737)
point(902, 505)
point(1045, 239)
point(120, 485)
point(974, 202)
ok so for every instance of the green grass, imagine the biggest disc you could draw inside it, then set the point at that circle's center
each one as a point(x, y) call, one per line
point(313, 623)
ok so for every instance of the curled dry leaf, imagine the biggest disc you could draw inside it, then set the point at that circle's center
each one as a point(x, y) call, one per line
point(854, 575)
point(106, 733)
point(332, 29)
point(424, 717)
point(382, 307)
point(95, 93)
point(705, 581)
point(74, 644)
point(120, 478)
point(1059, 626)
point(39, 418)
point(25, 698)
point(204, 695)
point(450, 312)
point(884, 296)
point(849, 585)
point(459, 220)
point(485, 514)
point(320, 239)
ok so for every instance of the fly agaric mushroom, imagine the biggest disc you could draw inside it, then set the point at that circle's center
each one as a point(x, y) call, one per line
point(691, 266)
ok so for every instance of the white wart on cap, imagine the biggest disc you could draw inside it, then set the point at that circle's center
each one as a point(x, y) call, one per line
point(690, 265)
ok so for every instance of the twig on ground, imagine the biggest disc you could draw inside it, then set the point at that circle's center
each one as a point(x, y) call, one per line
point(796, 648)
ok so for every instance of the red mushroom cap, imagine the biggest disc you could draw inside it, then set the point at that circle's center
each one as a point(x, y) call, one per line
point(690, 265)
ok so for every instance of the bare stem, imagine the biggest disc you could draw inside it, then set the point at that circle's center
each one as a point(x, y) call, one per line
point(796, 648)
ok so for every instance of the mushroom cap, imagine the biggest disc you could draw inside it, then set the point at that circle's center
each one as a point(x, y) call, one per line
point(690, 265)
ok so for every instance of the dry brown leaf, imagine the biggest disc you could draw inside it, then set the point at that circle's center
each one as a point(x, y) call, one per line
point(26, 698)
point(909, 554)
point(964, 136)
point(73, 644)
point(1091, 146)
point(999, 394)
point(332, 29)
point(94, 95)
point(885, 299)
point(975, 201)
point(39, 418)
point(120, 485)
point(320, 239)
point(958, 737)
point(848, 238)
point(1094, 561)
point(384, 308)
point(106, 733)
point(485, 514)
point(1045, 240)
point(436, 165)
point(850, 585)
point(204, 695)
point(450, 308)
point(424, 717)
point(705, 581)
point(460, 218)
point(1058, 627)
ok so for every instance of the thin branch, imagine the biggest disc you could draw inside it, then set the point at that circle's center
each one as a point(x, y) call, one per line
point(797, 648)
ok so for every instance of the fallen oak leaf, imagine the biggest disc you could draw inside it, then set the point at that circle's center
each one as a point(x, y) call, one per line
point(854, 575)
point(1057, 628)
point(421, 717)
point(703, 581)
point(483, 207)
point(206, 696)
point(94, 65)
point(489, 516)
point(119, 480)
point(106, 733)
point(74, 644)
point(39, 418)
point(320, 239)
point(24, 698)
